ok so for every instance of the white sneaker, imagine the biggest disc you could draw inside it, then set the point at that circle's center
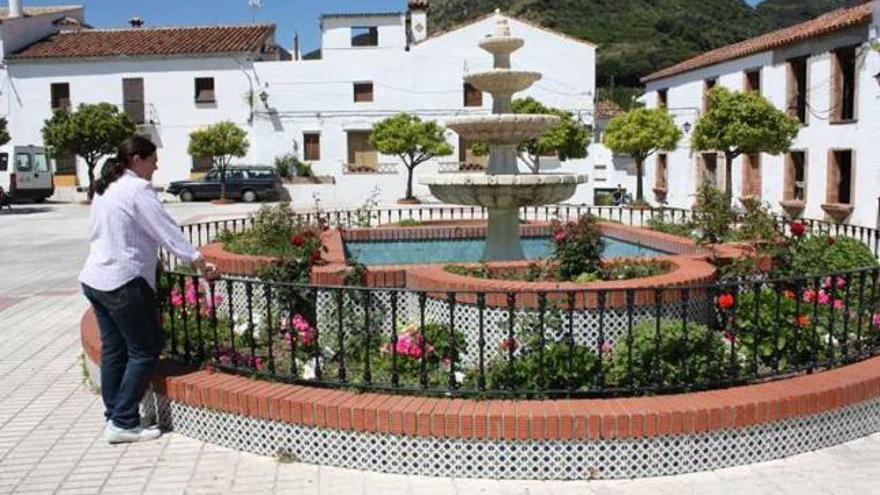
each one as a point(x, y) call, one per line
point(114, 434)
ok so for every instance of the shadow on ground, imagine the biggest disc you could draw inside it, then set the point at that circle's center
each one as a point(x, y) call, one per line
point(25, 210)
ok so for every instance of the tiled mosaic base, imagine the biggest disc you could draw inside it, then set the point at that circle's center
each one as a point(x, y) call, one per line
point(520, 459)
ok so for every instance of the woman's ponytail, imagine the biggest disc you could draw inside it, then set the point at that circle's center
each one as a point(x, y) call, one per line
point(114, 167)
point(112, 170)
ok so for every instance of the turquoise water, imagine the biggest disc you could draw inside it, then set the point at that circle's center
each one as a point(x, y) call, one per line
point(466, 250)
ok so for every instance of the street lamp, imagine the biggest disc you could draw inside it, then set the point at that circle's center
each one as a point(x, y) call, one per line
point(687, 127)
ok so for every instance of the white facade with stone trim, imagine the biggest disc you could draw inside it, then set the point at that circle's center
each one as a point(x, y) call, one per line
point(817, 138)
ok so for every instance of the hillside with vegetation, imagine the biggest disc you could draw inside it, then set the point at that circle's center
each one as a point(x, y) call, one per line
point(637, 37)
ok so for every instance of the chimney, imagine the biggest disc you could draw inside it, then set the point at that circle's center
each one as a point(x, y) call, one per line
point(417, 20)
point(136, 22)
point(296, 54)
point(15, 9)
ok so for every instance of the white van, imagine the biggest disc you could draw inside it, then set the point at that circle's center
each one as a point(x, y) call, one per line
point(27, 174)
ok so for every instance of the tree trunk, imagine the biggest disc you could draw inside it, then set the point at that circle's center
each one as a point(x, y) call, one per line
point(728, 176)
point(222, 182)
point(640, 197)
point(91, 169)
point(409, 178)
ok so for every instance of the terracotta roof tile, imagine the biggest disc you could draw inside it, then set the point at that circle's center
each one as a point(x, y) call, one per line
point(605, 109)
point(28, 11)
point(418, 4)
point(149, 41)
point(824, 24)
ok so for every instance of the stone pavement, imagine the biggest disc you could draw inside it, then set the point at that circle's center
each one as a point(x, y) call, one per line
point(50, 420)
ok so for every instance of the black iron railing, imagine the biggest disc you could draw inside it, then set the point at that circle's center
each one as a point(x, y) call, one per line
point(591, 342)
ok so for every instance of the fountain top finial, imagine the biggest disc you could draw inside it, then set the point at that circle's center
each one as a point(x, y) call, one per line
point(502, 28)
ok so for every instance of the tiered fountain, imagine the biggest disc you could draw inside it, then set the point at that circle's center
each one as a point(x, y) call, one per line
point(502, 190)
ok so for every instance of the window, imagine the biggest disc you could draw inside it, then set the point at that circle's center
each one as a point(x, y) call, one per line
point(843, 84)
point(41, 163)
point(473, 97)
point(365, 36)
point(662, 98)
point(60, 96)
point(23, 162)
point(205, 90)
point(840, 175)
point(660, 172)
point(708, 84)
point(65, 165)
point(709, 169)
point(753, 81)
point(363, 92)
point(751, 185)
point(202, 164)
point(361, 154)
point(133, 99)
point(311, 146)
point(795, 176)
point(4, 162)
point(796, 89)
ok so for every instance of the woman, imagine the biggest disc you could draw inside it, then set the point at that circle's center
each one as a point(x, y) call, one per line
point(128, 224)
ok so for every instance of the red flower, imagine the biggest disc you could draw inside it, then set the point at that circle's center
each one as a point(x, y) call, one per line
point(802, 320)
point(297, 240)
point(508, 345)
point(560, 236)
point(797, 228)
point(789, 294)
point(316, 257)
point(725, 301)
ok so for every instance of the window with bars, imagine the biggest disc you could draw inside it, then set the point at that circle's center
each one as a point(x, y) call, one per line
point(133, 99)
point(795, 176)
point(753, 80)
point(840, 177)
point(796, 89)
point(662, 98)
point(660, 173)
point(843, 84)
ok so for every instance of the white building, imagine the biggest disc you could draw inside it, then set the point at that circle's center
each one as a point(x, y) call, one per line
point(825, 73)
point(371, 66)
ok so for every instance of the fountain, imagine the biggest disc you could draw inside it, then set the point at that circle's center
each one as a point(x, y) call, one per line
point(502, 190)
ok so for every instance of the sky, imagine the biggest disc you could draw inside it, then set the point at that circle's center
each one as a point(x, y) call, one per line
point(290, 16)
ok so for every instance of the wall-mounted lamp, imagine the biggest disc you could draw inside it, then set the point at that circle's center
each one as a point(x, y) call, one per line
point(877, 78)
point(687, 127)
point(264, 97)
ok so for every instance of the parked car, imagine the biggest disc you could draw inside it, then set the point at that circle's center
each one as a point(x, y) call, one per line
point(248, 184)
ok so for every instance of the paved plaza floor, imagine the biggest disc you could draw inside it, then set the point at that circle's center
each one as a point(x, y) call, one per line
point(51, 420)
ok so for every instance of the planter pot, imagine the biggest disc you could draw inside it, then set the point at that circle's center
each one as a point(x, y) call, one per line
point(793, 207)
point(837, 211)
point(405, 201)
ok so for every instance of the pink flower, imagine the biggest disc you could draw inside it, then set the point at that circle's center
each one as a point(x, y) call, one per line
point(410, 344)
point(176, 298)
point(841, 282)
point(826, 282)
point(824, 298)
point(838, 304)
point(876, 320)
point(809, 295)
point(607, 347)
point(728, 337)
point(560, 236)
point(305, 330)
point(208, 305)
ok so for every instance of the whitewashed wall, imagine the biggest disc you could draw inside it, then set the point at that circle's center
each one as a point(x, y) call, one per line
point(314, 95)
point(685, 93)
point(317, 95)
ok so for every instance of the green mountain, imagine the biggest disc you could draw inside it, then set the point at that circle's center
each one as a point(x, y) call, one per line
point(637, 37)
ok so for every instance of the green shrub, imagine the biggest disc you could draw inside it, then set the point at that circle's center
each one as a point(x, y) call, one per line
point(823, 254)
point(525, 371)
point(578, 247)
point(660, 224)
point(713, 219)
point(676, 360)
point(757, 225)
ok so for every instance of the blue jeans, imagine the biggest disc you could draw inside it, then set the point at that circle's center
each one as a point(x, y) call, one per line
point(131, 340)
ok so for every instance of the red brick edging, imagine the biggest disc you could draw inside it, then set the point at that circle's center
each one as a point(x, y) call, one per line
point(641, 417)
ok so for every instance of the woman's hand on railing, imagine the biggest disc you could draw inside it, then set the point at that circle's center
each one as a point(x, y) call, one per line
point(208, 270)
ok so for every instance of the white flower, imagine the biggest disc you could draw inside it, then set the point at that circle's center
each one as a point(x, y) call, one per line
point(459, 376)
point(308, 369)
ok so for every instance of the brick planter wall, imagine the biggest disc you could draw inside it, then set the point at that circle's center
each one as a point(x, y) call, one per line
point(717, 428)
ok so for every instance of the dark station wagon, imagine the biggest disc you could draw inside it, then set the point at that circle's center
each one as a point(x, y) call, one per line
point(248, 184)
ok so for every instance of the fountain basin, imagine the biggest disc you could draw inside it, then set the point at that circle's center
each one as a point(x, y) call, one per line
point(503, 191)
point(505, 128)
point(502, 81)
